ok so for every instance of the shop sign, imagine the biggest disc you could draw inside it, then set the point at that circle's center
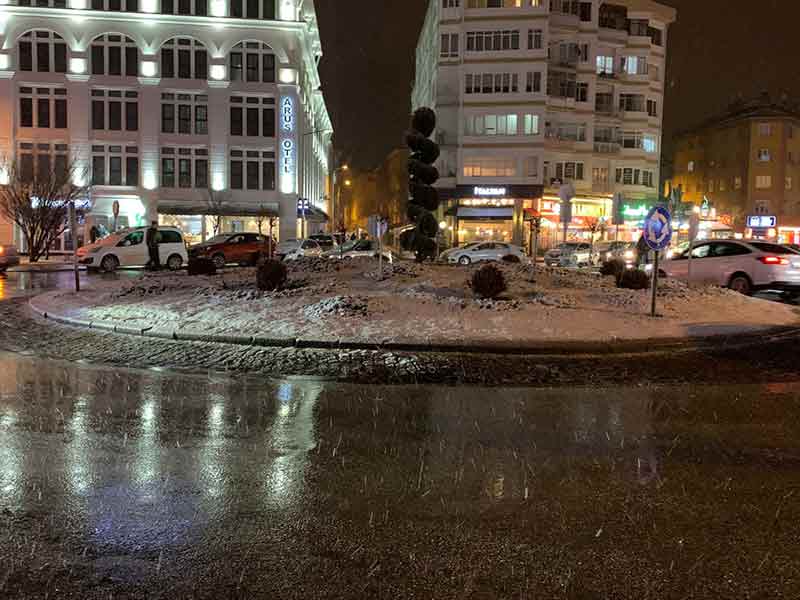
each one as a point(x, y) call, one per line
point(762, 221)
point(490, 191)
point(635, 212)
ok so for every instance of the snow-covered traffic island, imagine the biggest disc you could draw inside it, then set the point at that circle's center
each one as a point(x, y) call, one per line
point(326, 300)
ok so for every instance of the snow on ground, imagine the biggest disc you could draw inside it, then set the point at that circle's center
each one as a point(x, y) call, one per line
point(329, 300)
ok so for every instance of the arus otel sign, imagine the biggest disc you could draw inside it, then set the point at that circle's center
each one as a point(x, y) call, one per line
point(288, 163)
point(658, 228)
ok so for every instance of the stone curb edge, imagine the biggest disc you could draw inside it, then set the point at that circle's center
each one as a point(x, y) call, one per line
point(647, 346)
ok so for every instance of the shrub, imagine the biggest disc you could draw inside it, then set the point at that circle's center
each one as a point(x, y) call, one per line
point(511, 258)
point(615, 267)
point(271, 275)
point(634, 279)
point(488, 281)
point(201, 266)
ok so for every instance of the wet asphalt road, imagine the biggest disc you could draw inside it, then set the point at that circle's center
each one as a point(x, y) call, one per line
point(144, 484)
point(117, 483)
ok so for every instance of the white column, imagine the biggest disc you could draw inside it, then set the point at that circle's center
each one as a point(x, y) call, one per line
point(149, 149)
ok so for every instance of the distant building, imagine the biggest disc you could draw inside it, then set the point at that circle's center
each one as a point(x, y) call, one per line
point(532, 95)
point(745, 163)
point(382, 191)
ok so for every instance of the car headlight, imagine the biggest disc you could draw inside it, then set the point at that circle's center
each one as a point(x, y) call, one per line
point(609, 256)
point(629, 254)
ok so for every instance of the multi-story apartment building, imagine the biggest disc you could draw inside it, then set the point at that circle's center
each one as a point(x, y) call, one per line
point(534, 94)
point(745, 163)
point(170, 108)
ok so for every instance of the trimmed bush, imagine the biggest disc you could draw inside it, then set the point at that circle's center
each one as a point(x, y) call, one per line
point(271, 275)
point(511, 258)
point(201, 266)
point(634, 279)
point(488, 282)
point(615, 267)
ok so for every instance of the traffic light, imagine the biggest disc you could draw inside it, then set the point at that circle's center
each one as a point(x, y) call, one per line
point(423, 198)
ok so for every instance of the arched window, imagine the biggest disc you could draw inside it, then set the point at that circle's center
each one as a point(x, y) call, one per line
point(42, 52)
point(253, 9)
point(184, 7)
point(114, 54)
point(184, 58)
point(116, 5)
point(252, 62)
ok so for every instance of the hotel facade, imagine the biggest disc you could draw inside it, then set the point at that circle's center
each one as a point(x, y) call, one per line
point(535, 94)
point(171, 109)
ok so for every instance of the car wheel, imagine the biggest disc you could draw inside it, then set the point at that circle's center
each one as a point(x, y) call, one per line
point(109, 264)
point(464, 260)
point(741, 283)
point(174, 262)
point(219, 261)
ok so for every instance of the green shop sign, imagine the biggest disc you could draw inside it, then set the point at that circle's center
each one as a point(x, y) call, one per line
point(631, 211)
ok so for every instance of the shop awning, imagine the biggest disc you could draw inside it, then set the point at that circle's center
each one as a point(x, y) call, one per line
point(268, 209)
point(313, 215)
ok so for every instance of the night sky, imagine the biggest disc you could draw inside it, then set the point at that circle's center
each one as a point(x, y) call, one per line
point(717, 49)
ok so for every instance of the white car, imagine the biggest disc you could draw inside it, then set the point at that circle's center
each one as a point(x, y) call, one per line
point(743, 266)
point(302, 249)
point(571, 254)
point(358, 249)
point(128, 248)
point(486, 251)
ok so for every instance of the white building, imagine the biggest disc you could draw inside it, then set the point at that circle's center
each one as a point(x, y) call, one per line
point(531, 94)
point(169, 104)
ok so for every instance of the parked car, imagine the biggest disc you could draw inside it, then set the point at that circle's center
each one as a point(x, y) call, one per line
point(625, 251)
point(444, 256)
point(570, 254)
point(358, 249)
point(745, 267)
point(240, 248)
point(9, 257)
point(486, 251)
point(127, 248)
point(302, 249)
point(326, 240)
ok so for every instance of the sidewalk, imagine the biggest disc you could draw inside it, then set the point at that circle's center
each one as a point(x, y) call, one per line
point(52, 265)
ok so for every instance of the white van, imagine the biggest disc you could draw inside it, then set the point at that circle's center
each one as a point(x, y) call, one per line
point(128, 248)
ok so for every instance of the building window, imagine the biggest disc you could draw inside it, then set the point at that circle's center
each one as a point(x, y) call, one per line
point(449, 45)
point(185, 114)
point(535, 37)
point(43, 3)
point(531, 166)
point(491, 125)
point(690, 166)
point(629, 176)
point(600, 175)
point(451, 3)
point(737, 183)
point(492, 41)
point(788, 184)
point(605, 66)
point(252, 170)
point(491, 83)
point(763, 155)
point(184, 58)
point(252, 62)
point(571, 132)
point(533, 82)
point(114, 55)
point(42, 160)
point(184, 7)
point(190, 164)
point(253, 9)
point(115, 165)
point(710, 186)
point(42, 52)
point(763, 182)
point(582, 92)
point(490, 167)
point(252, 116)
point(116, 5)
point(634, 65)
point(569, 171)
point(652, 108)
point(765, 129)
point(632, 102)
point(43, 107)
point(530, 124)
point(115, 110)
point(723, 185)
point(761, 207)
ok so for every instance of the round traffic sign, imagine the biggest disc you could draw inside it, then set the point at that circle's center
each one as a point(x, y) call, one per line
point(658, 228)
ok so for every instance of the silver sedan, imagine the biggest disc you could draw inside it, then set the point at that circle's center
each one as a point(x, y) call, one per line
point(486, 251)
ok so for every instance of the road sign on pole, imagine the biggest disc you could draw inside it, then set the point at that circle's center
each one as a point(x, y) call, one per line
point(657, 235)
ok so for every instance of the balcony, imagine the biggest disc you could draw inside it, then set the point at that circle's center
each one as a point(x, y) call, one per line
point(564, 62)
point(561, 101)
point(608, 75)
point(606, 147)
point(606, 110)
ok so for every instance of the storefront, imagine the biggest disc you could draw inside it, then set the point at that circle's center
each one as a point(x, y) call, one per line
point(198, 227)
point(487, 213)
point(590, 220)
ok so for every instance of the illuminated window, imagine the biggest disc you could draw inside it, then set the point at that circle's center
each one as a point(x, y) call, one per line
point(763, 182)
point(252, 62)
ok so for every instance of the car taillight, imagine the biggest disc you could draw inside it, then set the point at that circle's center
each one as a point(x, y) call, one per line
point(773, 260)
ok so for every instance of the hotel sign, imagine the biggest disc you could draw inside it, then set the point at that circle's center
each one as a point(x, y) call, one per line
point(762, 222)
point(288, 146)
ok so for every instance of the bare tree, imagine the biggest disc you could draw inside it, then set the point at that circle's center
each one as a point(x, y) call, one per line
point(38, 202)
point(216, 201)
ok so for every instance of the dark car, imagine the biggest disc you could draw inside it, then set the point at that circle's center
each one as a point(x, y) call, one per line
point(8, 257)
point(239, 248)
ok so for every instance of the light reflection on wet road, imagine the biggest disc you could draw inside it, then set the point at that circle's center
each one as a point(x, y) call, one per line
point(131, 484)
point(20, 284)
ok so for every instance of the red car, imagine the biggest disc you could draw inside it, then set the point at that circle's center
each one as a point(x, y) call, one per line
point(239, 248)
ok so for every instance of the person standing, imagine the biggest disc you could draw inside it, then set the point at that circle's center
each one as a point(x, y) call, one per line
point(152, 239)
